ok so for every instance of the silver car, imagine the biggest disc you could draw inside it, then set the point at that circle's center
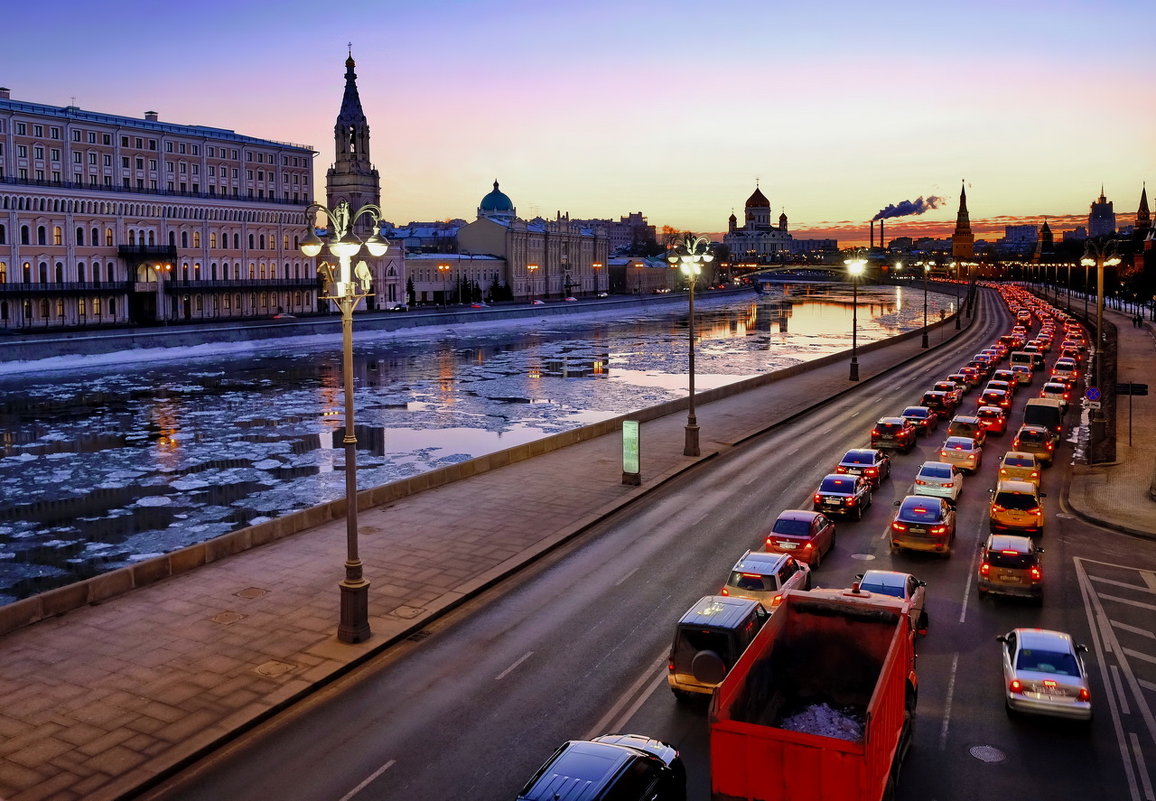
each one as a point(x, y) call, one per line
point(940, 480)
point(1044, 674)
point(764, 577)
point(963, 452)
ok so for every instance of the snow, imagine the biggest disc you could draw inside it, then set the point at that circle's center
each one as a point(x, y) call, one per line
point(826, 721)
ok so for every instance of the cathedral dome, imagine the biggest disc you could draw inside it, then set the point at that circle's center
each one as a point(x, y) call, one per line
point(496, 201)
point(758, 200)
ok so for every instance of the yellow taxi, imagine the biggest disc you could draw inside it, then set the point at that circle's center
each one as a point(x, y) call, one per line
point(1019, 466)
point(1016, 507)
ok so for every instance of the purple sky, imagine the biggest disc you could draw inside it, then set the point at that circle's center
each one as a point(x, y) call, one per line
point(668, 107)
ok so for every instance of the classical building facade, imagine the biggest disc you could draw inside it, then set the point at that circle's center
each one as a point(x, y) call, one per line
point(108, 220)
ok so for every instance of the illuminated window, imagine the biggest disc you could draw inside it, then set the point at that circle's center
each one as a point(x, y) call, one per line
point(57, 235)
point(96, 307)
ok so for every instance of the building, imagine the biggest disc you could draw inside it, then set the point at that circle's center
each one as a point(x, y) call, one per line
point(631, 235)
point(757, 240)
point(1101, 217)
point(963, 240)
point(542, 258)
point(108, 220)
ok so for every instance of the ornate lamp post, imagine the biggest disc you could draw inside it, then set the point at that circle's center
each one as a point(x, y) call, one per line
point(855, 268)
point(349, 286)
point(689, 258)
point(444, 269)
point(926, 269)
point(532, 269)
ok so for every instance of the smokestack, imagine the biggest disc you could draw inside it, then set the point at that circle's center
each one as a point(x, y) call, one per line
point(872, 233)
point(882, 241)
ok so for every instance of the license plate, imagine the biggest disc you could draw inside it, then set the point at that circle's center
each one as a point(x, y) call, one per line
point(788, 546)
point(1010, 579)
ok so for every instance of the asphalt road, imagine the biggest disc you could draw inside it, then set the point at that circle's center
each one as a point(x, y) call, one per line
point(576, 645)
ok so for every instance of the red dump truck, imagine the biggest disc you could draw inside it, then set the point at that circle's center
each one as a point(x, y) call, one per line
point(821, 704)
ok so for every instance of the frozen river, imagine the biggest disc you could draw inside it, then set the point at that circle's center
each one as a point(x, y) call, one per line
point(104, 464)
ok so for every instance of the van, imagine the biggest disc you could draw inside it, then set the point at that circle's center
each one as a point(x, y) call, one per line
point(1033, 360)
point(708, 640)
point(1046, 412)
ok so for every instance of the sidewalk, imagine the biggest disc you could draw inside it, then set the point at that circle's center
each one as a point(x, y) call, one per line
point(1120, 495)
point(102, 701)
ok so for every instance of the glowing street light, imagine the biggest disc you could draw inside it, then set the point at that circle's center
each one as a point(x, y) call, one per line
point(855, 267)
point(1100, 253)
point(343, 243)
point(532, 269)
point(689, 258)
point(597, 267)
point(444, 269)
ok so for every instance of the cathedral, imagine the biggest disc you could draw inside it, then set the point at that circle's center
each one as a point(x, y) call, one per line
point(756, 239)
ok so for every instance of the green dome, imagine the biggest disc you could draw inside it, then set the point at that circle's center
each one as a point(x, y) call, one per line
point(496, 201)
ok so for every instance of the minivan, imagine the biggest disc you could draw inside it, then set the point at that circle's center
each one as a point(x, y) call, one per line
point(1033, 360)
point(708, 640)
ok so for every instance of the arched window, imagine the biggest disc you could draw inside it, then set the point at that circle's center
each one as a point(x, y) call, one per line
point(3, 311)
point(112, 307)
point(3, 272)
point(79, 236)
point(184, 239)
point(41, 235)
point(57, 235)
point(27, 272)
point(96, 307)
point(252, 271)
point(185, 271)
point(59, 272)
point(200, 303)
point(262, 271)
point(95, 237)
point(250, 241)
point(81, 308)
point(44, 308)
point(43, 272)
point(152, 237)
point(108, 240)
point(3, 234)
point(236, 241)
point(196, 239)
point(172, 239)
point(96, 272)
point(262, 241)
point(212, 240)
point(80, 272)
point(132, 237)
point(24, 235)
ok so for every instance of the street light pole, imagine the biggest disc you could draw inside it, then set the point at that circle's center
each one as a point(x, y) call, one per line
point(444, 270)
point(597, 267)
point(926, 270)
point(689, 258)
point(531, 269)
point(351, 285)
point(855, 268)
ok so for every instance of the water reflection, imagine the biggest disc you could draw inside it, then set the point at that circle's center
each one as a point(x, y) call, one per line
point(102, 467)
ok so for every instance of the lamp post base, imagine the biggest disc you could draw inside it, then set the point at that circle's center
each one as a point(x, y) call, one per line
point(691, 447)
point(854, 371)
point(925, 343)
point(354, 624)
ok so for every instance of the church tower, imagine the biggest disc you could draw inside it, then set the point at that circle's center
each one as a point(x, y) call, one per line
point(758, 211)
point(352, 177)
point(1143, 215)
point(962, 241)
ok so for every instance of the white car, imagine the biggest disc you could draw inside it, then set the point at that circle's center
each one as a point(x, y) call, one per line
point(1043, 673)
point(940, 480)
point(963, 452)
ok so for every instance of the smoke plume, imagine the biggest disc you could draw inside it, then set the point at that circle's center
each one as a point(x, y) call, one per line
point(909, 207)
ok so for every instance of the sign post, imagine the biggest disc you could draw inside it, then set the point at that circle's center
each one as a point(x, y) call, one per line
point(631, 453)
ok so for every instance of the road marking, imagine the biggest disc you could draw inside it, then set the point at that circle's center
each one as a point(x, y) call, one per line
point(1149, 579)
point(1147, 685)
point(603, 725)
point(853, 414)
point(1119, 600)
point(1142, 764)
point(365, 783)
point(628, 575)
point(796, 450)
point(1119, 683)
point(511, 668)
point(947, 703)
point(827, 430)
point(1124, 584)
point(1139, 655)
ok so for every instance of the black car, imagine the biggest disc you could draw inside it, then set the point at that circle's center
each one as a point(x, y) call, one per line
point(843, 494)
point(894, 432)
point(626, 766)
point(923, 418)
point(871, 463)
point(939, 402)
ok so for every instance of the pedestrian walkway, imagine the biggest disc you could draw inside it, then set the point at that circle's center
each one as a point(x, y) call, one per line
point(103, 701)
point(1120, 495)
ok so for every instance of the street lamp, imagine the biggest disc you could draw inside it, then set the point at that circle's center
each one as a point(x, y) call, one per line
point(855, 267)
point(444, 269)
point(1100, 253)
point(596, 266)
point(532, 268)
point(343, 243)
point(689, 258)
point(926, 270)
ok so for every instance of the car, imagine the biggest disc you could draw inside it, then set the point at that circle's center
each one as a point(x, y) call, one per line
point(1017, 507)
point(1010, 564)
point(900, 585)
point(1056, 391)
point(1065, 371)
point(1007, 386)
point(1071, 353)
point(983, 366)
point(610, 766)
point(963, 452)
point(971, 375)
point(842, 494)
point(1011, 341)
point(961, 382)
point(1038, 440)
point(537, 303)
point(923, 418)
point(708, 639)
point(284, 316)
point(938, 479)
point(871, 463)
point(764, 577)
point(938, 402)
point(1005, 374)
point(993, 419)
point(1044, 674)
point(603, 294)
point(894, 432)
point(478, 305)
point(398, 307)
point(954, 391)
point(963, 425)
point(570, 299)
point(923, 524)
point(806, 534)
point(1023, 373)
point(995, 397)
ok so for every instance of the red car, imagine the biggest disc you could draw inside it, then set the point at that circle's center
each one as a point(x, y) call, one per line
point(996, 397)
point(808, 536)
point(992, 418)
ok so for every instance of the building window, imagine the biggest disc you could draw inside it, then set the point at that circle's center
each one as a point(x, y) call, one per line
point(212, 246)
point(106, 139)
point(124, 162)
point(168, 147)
point(96, 307)
point(108, 237)
point(80, 308)
point(76, 135)
point(3, 234)
point(59, 273)
point(57, 235)
point(21, 129)
point(80, 272)
point(92, 137)
point(80, 236)
point(38, 152)
point(181, 147)
point(124, 141)
point(22, 151)
point(43, 272)
point(196, 239)
point(41, 235)
point(184, 239)
point(139, 143)
point(95, 237)
point(24, 235)
point(152, 144)
point(107, 160)
point(56, 154)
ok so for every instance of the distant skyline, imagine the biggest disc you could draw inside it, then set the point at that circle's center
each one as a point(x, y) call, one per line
point(668, 107)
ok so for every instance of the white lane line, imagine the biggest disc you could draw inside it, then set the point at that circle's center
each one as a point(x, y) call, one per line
point(947, 703)
point(966, 595)
point(1145, 781)
point(1149, 579)
point(1124, 584)
point(1147, 685)
point(1141, 656)
point(624, 578)
point(827, 430)
point(365, 783)
point(1119, 684)
point(512, 667)
point(601, 726)
point(1128, 602)
point(796, 450)
point(853, 414)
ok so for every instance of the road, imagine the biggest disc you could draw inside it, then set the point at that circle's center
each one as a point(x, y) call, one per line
point(576, 645)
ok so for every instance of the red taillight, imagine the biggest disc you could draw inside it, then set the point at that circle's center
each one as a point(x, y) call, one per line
point(984, 568)
point(818, 498)
point(840, 469)
point(849, 501)
point(919, 482)
point(875, 432)
point(1085, 696)
point(1035, 511)
point(943, 453)
point(778, 599)
point(1016, 686)
point(670, 666)
point(1035, 474)
point(768, 544)
point(808, 546)
point(871, 471)
point(1037, 575)
point(724, 591)
point(1010, 553)
point(938, 529)
point(897, 526)
point(996, 508)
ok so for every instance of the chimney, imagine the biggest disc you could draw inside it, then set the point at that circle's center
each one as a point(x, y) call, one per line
point(872, 234)
point(882, 241)
point(151, 116)
point(4, 95)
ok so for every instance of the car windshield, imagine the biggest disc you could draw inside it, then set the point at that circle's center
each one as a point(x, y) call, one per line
point(889, 428)
point(792, 528)
point(892, 587)
point(1048, 662)
point(838, 484)
point(1018, 461)
point(1018, 501)
point(859, 457)
point(936, 471)
point(1033, 437)
point(1013, 560)
point(919, 510)
point(747, 581)
point(915, 411)
point(959, 444)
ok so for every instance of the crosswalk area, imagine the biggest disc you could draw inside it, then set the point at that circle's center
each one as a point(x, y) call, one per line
point(1121, 605)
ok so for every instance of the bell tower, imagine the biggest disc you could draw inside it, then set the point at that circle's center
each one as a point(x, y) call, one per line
point(352, 176)
point(963, 240)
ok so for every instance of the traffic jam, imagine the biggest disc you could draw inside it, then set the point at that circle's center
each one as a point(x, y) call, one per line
point(790, 668)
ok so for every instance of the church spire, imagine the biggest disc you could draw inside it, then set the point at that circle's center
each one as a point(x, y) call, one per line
point(352, 177)
point(963, 241)
point(1143, 214)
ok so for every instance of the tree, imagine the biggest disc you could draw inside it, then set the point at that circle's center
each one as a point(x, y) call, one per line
point(410, 294)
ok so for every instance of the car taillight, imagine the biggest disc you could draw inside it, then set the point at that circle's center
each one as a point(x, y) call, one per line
point(1016, 686)
point(768, 544)
point(943, 453)
point(1037, 575)
point(871, 471)
point(849, 501)
point(875, 432)
point(1003, 471)
point(919, 482)
point(897, 526)
point(1035, 511)
point(984, 568)
point(938, 529)
point(778, 599)
point(818, 498)
point(996, 508)
point(808, 546)
point(1085, 695)
point(840, 469)
point(670, 666)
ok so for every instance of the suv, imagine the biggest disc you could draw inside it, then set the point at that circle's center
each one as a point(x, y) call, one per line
point(764, 577)
point(967, 426)
point(1016, 506)
point(708, 640)
point(1037, 440)
point(1010, 565)
point(628, 766)
point(954, 391)
point(937, 402)
point(894, 432)
point(1019, 466)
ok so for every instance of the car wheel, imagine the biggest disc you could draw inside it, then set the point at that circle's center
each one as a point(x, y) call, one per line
point(818, 560)
point(923, 623)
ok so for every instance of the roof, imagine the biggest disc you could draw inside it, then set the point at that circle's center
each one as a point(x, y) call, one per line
point(1015, 485)
point(718, 611)
point(760, 562)
point(496, 200)
point(1045, 639)
point(758, 200)
point(1010, 542)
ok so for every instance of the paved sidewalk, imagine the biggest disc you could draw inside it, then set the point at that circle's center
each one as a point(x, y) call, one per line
point(1120, 495)
point(102, 701)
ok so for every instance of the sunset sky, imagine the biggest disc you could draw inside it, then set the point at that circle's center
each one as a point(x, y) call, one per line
point(669, 107)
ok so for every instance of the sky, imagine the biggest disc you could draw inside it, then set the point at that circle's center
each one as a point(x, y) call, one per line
point(674, 108)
